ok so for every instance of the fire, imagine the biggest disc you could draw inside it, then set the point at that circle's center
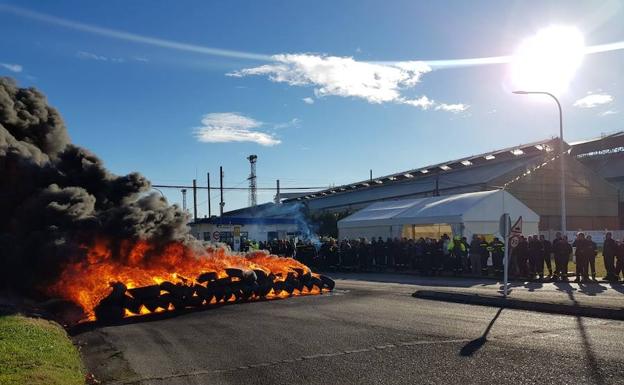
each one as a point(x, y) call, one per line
point(136, 278)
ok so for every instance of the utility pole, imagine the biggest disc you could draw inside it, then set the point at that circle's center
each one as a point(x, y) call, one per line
point(253, 194)
point(371, 174)
point(208, 184)
point(195, 200)
point(221, 204)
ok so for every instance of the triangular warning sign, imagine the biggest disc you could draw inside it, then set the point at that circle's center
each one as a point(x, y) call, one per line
point(517, 227)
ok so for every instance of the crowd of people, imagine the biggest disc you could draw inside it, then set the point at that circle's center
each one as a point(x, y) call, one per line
point(532, 257)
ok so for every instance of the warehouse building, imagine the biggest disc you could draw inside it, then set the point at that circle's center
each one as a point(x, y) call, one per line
point(235, 231)
point(529, 172)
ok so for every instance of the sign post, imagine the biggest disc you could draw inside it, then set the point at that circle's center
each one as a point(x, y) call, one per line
point(512, 238)
point(504, 228)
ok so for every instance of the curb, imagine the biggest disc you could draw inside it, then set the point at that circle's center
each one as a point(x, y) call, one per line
point(518, 304)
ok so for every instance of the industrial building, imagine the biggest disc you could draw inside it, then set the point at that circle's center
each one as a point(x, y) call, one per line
point(234, 230)
point(530, 172)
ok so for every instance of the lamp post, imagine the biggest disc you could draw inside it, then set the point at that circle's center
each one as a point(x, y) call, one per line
point(159, 190)
point(561, 151)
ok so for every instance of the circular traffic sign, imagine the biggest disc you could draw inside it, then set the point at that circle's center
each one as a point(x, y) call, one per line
point(216, 235)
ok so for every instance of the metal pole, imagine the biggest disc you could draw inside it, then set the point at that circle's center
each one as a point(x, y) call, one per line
point(157, 189)
point(561, 155)
point(208, 185)
point(506, 257)
point(195, 200)
point(221, 204)
point(278, 199)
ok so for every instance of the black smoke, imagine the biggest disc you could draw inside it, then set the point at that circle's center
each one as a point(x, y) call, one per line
point(55, 196)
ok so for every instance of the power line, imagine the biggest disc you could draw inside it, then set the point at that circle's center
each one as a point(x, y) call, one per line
point(237, 188)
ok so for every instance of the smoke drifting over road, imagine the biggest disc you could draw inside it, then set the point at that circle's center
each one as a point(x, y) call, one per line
point(56, 198)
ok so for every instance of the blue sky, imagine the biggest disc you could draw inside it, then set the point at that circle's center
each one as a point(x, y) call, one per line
point(331, 106)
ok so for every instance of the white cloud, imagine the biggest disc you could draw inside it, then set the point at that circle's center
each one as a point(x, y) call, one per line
point(608, 112)
point(91, 56)
point(423, 102)
point(12, 67)
point(454, 108)
point(593, 100)
point(343, 76)
point(294, 122)
point(226, 127)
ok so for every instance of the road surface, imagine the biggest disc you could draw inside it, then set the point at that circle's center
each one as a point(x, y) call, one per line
point(364, 333)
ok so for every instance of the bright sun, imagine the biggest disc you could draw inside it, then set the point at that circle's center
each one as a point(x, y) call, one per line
point(548, 60)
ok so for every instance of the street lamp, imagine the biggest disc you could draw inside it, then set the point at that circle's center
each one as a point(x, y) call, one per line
point(561, 151)
point(159, 190)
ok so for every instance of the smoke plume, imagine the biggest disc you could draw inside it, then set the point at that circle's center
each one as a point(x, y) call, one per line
point(56, 197)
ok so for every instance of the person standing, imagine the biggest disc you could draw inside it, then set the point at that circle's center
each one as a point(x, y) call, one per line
point(457, 250)
point(609, 251)
point(592, 252)
point(475, 255)
point(485, 256)
point(498, 253)
point(439, 258)
point(619, 265)
point(562, 251)
point(522, 251)
point(547, 252)
point(582, 259)
point(536, 264)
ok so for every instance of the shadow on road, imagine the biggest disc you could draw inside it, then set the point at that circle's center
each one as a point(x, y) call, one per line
point(471, 347)
point(590, 356)
point(592, 289)
point(617, 287)
point(529, 285)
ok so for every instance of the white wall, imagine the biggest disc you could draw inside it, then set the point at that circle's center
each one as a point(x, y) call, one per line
point(470, 228)
point(256, 232)
point(490, 227)
point(370, 232)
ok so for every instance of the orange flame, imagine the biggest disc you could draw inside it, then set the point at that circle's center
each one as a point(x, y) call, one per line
point(140, 263)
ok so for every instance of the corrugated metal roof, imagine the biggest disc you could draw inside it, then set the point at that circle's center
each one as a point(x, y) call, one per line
point(598, 144)
point(479, 176)
point(465, 171)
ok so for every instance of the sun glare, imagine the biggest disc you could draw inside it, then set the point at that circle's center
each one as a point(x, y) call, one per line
point(548, 60)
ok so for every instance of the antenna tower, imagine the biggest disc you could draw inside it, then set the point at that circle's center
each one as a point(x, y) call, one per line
point(253, 193)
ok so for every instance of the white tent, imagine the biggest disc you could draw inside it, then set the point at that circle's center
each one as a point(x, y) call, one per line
point(461, 214)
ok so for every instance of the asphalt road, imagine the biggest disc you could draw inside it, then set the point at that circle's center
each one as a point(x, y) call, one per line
point(363, 333)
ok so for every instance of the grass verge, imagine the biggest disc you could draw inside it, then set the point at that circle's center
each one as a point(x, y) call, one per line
point(35, 351)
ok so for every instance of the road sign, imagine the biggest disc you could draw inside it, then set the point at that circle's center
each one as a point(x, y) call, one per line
point(517, 227)
point(216, 236)
point(236, 231)
point(514, 241)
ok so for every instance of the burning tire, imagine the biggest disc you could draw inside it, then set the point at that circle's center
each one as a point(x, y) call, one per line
point(207, 289)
